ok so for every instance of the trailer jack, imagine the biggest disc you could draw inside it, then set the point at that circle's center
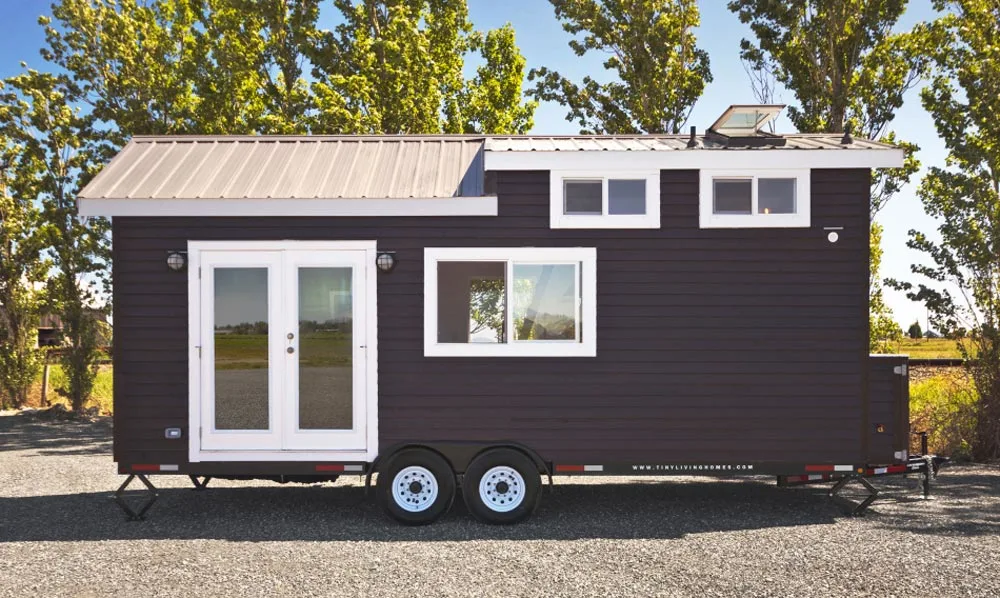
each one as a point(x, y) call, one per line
point(861, 507)
point(200, 484)
point(130, 513)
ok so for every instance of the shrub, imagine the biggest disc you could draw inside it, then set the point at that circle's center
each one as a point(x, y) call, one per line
point(945, 406)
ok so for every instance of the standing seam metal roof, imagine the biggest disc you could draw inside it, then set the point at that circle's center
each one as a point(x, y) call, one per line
point(293, 167)
point(360, 166)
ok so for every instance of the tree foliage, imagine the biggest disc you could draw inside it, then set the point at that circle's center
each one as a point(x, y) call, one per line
point(62, 150)
point(239, 67)
point(659, 70)
point(23, 267)
point(915, 331)
point(395, 66)
point(964, 196)
point(883, 333)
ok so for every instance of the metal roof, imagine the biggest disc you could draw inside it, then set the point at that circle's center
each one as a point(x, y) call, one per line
point(361, 166)
point(309, 167)
point(653, 143)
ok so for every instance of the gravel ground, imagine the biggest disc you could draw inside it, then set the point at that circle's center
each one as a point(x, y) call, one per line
point(324, 396)
point(681, 536)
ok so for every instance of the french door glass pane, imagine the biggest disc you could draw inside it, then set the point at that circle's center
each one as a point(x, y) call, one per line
point(241, 356)
point(325, 347)
point(545, 302)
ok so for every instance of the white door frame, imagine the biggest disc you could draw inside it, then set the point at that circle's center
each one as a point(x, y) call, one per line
point(370, 351)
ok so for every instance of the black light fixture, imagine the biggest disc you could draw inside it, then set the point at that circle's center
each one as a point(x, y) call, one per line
point(386, 261)
point(176, 260)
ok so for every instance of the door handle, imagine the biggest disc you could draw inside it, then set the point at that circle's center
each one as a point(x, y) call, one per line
point(290, 349)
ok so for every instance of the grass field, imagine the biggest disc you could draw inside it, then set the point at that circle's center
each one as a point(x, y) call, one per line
point(927, 348)
point(101, 397)
point(249, 351)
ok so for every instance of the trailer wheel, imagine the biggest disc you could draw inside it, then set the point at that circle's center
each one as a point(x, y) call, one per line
point(502, 486)
point(416, 487)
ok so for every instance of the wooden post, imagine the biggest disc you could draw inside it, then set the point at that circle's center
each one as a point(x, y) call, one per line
point(45, 383)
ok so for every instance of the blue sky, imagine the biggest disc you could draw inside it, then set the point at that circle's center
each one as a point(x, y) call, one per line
point(544, 43)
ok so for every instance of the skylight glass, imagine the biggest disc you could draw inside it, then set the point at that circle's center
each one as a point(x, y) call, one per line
point(745, 119)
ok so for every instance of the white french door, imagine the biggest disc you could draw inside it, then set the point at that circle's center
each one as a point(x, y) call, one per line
point(281, 333)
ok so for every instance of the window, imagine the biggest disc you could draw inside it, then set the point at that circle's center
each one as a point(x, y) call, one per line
point(510, 301)
point(754, 199)
point(605, 200)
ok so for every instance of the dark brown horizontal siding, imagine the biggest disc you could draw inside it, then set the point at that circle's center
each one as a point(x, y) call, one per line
point(713, 345)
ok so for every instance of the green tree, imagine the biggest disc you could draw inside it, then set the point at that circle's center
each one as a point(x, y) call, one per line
point(884, 333)
point(915, 331)
point(395, 66)
point(659, 71)
point(252, 56)
point(23, 268)
point(64, 150)
point(964, 195)
point(187, 66)
point(134, 63)
point(493, 101)
point(848, 71)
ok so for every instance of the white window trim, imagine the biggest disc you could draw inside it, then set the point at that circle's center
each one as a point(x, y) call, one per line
point(585, 256)
point(557, 219)
point(803, 202)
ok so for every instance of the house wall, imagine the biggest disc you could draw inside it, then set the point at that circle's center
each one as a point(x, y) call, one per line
point(724, 345)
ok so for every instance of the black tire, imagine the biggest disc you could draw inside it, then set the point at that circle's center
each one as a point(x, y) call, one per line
point(417, 489)
point(525, 492)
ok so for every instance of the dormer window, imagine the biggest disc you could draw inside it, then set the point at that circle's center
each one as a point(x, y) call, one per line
point(754, 199)
point(605, 200)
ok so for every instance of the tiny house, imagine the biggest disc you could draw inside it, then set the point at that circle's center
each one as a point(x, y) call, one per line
point(486, 311)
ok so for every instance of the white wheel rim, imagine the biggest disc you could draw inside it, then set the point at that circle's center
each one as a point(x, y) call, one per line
point(502, 489)
point(414, 489)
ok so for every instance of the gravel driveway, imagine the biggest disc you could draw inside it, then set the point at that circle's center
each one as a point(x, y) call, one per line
point(60, 536)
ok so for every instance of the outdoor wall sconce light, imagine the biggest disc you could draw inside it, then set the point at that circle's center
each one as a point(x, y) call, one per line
point(833, 233)
point(386, 261)
point(176, 260)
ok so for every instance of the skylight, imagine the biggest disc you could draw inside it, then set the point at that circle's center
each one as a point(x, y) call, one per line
point(745, 120)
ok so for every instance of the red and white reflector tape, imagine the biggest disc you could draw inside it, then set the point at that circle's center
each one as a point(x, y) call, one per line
point(885, 470)
point(340, 467)
point(563, 468)
point(829, 468)
point(154, 467)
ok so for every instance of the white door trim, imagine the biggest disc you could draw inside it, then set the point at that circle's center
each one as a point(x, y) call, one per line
point(194, 261)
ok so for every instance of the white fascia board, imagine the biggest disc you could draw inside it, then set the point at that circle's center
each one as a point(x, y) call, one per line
point(458, 206)
point(694, 159)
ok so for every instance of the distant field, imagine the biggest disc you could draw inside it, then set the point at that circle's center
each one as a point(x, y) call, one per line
point(249, 351)
point(928, 348)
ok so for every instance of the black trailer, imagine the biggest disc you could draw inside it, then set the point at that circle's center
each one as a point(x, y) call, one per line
point(487, 311)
